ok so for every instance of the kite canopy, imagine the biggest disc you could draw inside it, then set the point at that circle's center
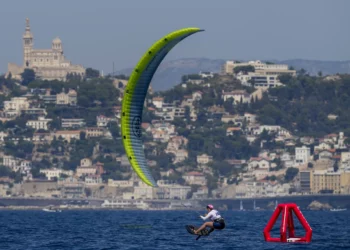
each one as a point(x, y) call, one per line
point(134, 97)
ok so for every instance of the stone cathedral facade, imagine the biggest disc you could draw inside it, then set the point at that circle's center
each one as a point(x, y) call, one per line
point(48, 64)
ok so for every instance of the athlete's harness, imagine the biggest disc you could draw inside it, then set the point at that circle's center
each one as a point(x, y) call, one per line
point(220, 220)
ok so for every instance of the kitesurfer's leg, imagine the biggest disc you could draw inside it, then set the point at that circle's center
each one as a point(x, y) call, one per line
point(206, 224)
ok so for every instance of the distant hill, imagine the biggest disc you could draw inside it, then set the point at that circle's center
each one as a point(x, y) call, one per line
point(169, 72)
point(313, 66)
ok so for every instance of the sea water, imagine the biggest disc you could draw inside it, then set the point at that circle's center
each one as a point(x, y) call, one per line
point(159, 230)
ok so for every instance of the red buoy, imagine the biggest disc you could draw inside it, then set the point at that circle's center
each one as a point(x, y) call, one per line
point(287, 224)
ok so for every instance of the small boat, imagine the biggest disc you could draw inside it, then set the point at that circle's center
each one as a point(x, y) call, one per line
point(241, 206)
point(338, 209)
point(50, 209)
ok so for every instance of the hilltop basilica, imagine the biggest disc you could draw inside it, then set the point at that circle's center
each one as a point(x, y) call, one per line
point(48, 64)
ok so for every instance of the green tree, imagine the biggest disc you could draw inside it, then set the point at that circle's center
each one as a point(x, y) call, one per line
point(336, 166)
point(224, 168)
point(28, 76)
point(73, 77)
point(114, 129)
point(4, 171)
point(92, 73)
point(290, 174)
point(285, 78)
point(179, 122)
point(16, 176)
point(212, 183)
point(82, 135)
point(301, 72)
point(55, 123)
point(88, 192)
point(187, 113)
point(229, 105)
point(252, 82)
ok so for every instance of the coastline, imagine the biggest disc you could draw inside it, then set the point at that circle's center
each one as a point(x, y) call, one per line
point(37, 208)
point(262, 203)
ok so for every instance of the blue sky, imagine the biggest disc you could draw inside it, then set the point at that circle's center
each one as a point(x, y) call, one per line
point(96, 33)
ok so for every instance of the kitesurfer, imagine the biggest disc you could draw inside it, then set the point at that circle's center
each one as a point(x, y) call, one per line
point(217, 222)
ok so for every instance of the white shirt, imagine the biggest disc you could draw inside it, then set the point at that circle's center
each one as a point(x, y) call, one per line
point(212, 215)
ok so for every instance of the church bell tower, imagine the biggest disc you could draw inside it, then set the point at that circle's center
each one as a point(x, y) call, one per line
point(27, 45)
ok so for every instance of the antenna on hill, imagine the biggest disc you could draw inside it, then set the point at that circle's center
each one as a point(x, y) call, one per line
point(113, 70)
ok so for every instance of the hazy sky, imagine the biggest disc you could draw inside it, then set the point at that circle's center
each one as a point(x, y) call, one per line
point(96, 33)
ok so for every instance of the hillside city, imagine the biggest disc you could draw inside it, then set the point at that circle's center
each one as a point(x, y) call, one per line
point(255, 129)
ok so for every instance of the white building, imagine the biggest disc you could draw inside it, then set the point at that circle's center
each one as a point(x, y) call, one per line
point(102, 121)
point(341, 141)
point(158, 102)
point(120, 183)
point(126, 203)
point(204, 159)
point(67, 135)
point(93, 180)
point(15, 106)
point(206, 74)
point(55, 172)
point(69, 98)
point(3, 135)
point(260, 173)
point(195, 178)
point(73, 123)
point(180, 155)
point(197, 95)
point(237, 95)
point(260, 67)
point(170, 190)
point(345, 160)
point(41, 123)
point(232, 130)
point(17, 164)
point(144, 192)
point(250, 118)
point(258, 80)
point(302, 155)
point(10, 161)
point(270, 128)
point(345, 156)
point(179, 192)
point(86, 168)
point(202, 193)
point(287, 160)
point(259, 162)
point(323, 146)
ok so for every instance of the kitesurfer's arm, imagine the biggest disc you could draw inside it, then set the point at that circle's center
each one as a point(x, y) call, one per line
point(207, 216)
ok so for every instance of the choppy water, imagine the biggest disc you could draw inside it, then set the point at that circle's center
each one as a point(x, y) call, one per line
point(157, 230)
